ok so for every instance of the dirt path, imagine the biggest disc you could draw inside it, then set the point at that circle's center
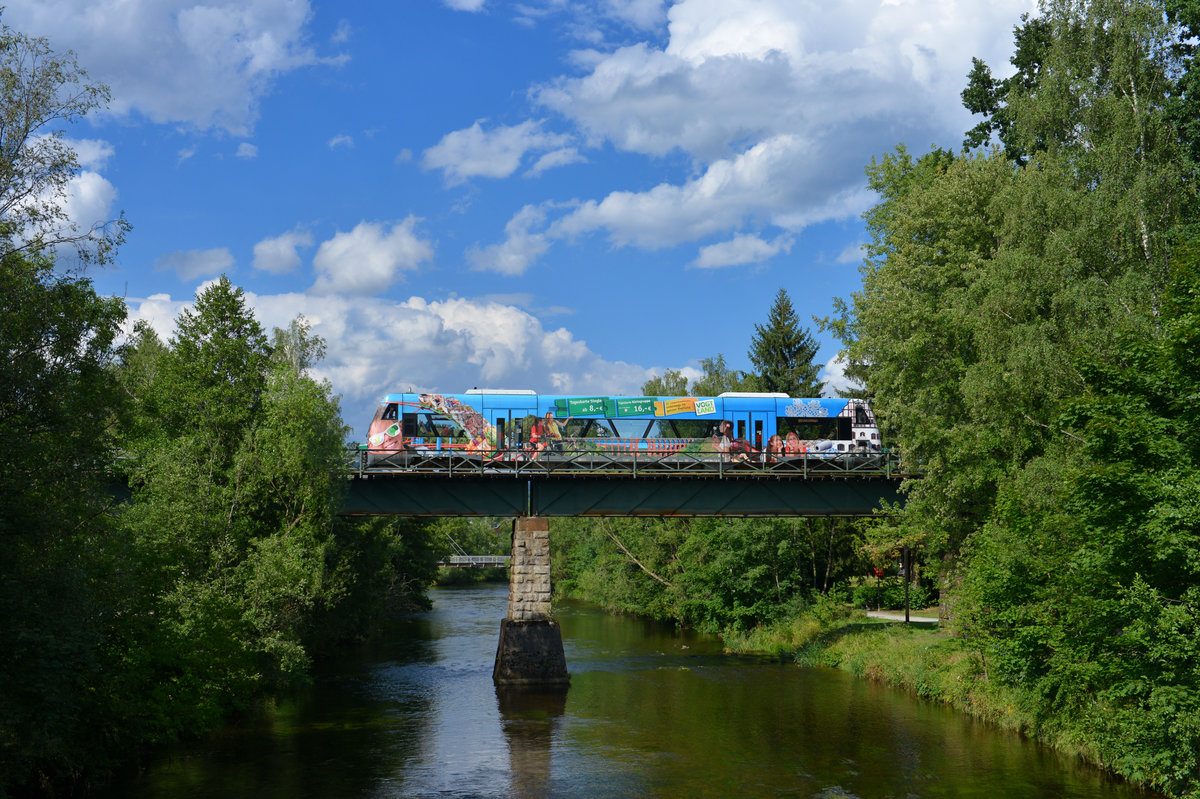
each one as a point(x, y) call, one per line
point(893, 615)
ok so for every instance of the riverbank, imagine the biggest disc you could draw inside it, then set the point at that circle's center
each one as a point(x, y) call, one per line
point(930, 663)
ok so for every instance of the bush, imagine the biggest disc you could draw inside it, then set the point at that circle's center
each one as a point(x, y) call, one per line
point(888, 594)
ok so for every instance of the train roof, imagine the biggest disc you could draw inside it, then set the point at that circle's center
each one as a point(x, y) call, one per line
point(613, 406)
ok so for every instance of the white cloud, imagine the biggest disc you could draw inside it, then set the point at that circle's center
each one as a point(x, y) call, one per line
point(341, 140)
point(464, 5)
point(342, 34)
point(279, 254)
point(89, 200)
point(84, 202)
point(191, 264)
point(89, 197)
point(247, 150)
point(779, 104)
point(643, 14)
point(853, 254)
point(765, 183)
point(91, 153)
point(377, 345)
point(496, 153)
point(369, 258)
point(762, 68)
point(562, 157)
point(834, 377)
point(206, 64)
point(520, 248)
point(741, 249)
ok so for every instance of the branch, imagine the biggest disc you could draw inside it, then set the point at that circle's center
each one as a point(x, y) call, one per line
point(629, 555)
point(1066, 433)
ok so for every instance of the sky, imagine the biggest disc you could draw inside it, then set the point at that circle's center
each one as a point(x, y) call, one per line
point(569, 196)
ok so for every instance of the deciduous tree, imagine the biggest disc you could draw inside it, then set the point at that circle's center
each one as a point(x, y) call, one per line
point(40, 90)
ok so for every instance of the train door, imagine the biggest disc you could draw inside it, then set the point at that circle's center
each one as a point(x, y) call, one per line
point(759, 429)
point(741, 424)
point(518, 421)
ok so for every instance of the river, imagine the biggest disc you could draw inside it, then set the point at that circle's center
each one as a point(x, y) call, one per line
point(651, 712)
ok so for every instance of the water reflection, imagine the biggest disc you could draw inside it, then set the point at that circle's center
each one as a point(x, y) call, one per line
point(651, 711)
point(529, 717)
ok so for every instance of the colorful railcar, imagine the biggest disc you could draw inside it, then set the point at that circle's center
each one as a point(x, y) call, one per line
point(507, 424)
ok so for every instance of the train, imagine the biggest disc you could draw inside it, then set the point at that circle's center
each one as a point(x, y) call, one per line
point(506, 425)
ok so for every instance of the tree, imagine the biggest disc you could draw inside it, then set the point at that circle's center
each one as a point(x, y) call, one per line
point(990, 97)
point(671, 383)
point(783, 352)
point(986, 285)
point(718, 378)
point(38, 90)
point(1012, 321)
point(297, 346)
point(1091, 594)
point(59, 560)
point(218, 365)
point(1183, 105)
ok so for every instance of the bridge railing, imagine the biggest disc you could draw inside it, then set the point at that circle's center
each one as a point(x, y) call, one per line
point(663, 461)
point(476, 561)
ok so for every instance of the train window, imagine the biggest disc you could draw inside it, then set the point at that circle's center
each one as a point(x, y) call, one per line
point(807, 429)
point(631, 428)
point(683, 428)
point(427, 424)
point(444, 428)
point(860, 416)
point(574, 428)
point(741, 428)
point(389, 413)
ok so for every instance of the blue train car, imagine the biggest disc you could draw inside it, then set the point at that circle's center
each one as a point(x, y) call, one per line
point(504, 424)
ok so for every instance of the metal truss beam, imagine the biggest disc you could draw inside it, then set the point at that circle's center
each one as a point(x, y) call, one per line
point(400, 494)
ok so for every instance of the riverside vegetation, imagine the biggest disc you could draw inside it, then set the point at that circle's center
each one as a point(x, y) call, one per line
point(1028, 330)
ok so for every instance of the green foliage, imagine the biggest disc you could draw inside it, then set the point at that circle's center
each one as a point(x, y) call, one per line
point(718, 378)
point(782, 353)
point(1183, 105)
point(40, 90)
point(1028, 329)
point(888, 594)
point(60, 569)
point(990, 97)
point(671, 383)
point(223, 571)
point(713, 574)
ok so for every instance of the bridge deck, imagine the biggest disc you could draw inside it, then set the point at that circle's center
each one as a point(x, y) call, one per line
point(592, 462)
point(590, 483)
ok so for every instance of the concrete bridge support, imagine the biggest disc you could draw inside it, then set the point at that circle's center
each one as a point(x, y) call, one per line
point(531, 649)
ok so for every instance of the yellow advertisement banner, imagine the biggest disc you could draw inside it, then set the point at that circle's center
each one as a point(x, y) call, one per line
point(673, 406)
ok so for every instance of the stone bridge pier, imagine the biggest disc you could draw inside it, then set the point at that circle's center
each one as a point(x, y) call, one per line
point(531, 649)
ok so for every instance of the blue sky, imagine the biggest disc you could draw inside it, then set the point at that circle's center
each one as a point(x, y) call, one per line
point(563, 196)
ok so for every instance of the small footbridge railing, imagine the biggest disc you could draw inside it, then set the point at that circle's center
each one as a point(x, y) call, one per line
point(476, 561)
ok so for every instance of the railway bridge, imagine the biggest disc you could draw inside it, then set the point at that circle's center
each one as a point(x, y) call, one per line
point(586, 483)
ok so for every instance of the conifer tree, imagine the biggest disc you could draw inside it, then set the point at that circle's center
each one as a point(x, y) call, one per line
point(782, 353)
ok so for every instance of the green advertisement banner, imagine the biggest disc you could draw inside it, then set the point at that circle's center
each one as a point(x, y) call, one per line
point(604, 406)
